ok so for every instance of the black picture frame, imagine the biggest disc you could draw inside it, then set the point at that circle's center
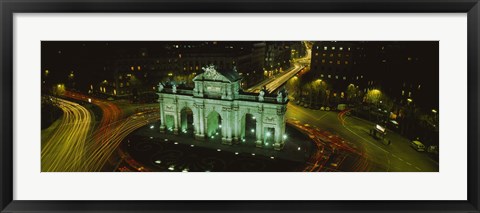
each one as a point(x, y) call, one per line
point(9, 7)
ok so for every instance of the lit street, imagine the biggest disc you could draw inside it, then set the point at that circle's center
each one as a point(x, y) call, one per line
point(64, 149)
point(398, 156)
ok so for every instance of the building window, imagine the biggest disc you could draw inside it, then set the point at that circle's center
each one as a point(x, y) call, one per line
point(325, 48)
point(139, 68)
point(346, 62)
point(338, 62)
point(128, 83)
point(331, 62)
point(341, 48)
point(333, 48)
point(336, 77)
point(329, 76)
point(316, 54)
point(132, 68)
point(121, 84)
point(323, 61)
point(403, 92)
point(344, 78)
point(331, 54)
point(324, 54)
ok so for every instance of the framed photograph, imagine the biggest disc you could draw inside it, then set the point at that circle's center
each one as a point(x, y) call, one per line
point(186, 106)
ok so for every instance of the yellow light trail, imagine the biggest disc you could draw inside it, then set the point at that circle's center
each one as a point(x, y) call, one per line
point(64, 149)
point(74, 147)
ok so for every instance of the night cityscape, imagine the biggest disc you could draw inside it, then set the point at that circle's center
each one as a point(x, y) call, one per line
point(240, 106)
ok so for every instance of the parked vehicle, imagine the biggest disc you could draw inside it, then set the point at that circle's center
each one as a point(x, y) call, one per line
point(417, 145)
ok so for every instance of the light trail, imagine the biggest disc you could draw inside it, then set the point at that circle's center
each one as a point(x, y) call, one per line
point(64, 149)
point(274, 83)
point(98, 153)
point(75, 147)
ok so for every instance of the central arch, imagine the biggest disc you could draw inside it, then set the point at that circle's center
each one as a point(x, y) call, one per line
point(248, 128)
point(186, 120)
point(214, 125)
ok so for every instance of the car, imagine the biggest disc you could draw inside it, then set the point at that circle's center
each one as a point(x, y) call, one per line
point(417, 145)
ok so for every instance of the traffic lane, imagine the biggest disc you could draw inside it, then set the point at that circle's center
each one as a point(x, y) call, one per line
point(64, 150)
point(327, 120)
point(399, 148)
point(282, 79)
point(396, 157)
point(379, 153)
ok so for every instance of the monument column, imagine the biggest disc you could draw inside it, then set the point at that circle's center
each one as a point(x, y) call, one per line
point(279, 129)
point(175, 117)
point(200, 122)
point(162, 113)
point(236, 124)
point(259, 128)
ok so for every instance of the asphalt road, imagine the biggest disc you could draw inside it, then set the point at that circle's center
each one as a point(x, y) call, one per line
point(396, 157)
point(273, 83)
point(78, 143)
point(64, 149)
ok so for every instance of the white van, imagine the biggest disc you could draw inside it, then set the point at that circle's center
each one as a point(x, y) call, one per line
point(417, 145)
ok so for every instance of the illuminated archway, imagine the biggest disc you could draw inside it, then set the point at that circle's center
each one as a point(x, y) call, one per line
point(186, 120)
point(214, 125)
point(248, 128)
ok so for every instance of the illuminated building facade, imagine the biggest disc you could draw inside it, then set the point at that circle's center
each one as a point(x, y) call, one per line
point(217, 107)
